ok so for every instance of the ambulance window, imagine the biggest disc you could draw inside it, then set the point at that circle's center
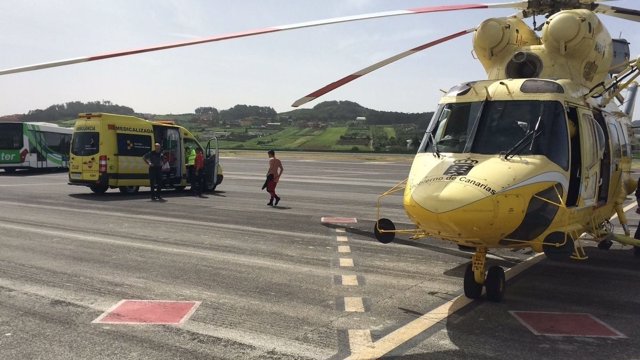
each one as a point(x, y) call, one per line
point(133, 145)
point(85, 143)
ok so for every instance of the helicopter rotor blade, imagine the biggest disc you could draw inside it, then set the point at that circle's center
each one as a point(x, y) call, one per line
point(623, 13)
point(414, 11)
point(349, 78)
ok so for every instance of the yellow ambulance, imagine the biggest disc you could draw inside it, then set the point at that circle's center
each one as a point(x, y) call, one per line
point(107, 151)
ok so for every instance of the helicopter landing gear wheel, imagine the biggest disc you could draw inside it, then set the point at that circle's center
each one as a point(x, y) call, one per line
point(472, 289)
point(384, 230)
point(474, 275)
point(605, 244)
point(495, 284)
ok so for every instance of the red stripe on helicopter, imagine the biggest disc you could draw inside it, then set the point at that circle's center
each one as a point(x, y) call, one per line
point(347, 79)
point(186, 43)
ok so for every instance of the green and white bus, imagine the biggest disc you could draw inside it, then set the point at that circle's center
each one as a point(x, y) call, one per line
point(34, 145)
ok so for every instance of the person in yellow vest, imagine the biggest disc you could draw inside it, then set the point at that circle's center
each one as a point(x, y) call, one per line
point(190, 160)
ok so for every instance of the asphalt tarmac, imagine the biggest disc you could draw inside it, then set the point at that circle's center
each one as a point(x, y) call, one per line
point(261, 282)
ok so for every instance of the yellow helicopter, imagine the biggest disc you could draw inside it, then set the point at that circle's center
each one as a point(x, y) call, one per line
point(536, 156)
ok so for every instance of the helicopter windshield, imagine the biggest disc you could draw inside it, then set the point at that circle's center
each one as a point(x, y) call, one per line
point(500, 127)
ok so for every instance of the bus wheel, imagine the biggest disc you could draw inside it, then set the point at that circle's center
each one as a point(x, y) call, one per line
point(99, 189)
point(129, 189)
point(9, 170)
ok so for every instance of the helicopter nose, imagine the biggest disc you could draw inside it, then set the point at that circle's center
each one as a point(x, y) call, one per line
point(463, 210)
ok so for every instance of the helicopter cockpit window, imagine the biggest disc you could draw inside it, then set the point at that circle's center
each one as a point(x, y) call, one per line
point(451, 128)
point(507, 128)
point(516, 128)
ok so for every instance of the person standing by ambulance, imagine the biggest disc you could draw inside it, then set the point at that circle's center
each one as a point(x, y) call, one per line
point(154, 160)
point(273, 175)
point(200, 180)
point(190, 161)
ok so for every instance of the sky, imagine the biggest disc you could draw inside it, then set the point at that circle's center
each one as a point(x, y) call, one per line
point(267, 70)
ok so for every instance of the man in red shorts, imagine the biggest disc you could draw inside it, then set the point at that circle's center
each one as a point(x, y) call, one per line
point(273, 175)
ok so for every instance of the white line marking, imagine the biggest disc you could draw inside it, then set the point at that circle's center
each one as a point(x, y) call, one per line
point(34, 184)
point(342, 238)
point(244, 336)
point(241, 259)
point(344, 249)
point(341, 230)
point(165, 220)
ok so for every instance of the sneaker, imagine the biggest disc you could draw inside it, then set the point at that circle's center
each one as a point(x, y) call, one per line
point(638, 210)
point(277, 201)
point(270, 203)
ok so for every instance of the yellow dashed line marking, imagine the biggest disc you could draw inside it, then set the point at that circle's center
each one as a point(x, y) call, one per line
point(346, 262)
point(353, 304)
point(350, 280)
point(359, 340)
point(426, 321)
point(344, 249)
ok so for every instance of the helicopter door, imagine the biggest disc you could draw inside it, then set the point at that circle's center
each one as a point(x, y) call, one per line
point(590, 154)
point(605, 159)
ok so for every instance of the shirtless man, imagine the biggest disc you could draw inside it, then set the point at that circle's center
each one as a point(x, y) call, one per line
point(273, 175)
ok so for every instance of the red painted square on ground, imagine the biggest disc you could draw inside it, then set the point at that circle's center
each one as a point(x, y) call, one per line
point(338, 220)
point(149, 312)
point(565, 324)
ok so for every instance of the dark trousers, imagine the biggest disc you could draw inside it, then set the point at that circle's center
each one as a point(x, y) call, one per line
point(155, 178)
point(198, 182)
point(191, 175)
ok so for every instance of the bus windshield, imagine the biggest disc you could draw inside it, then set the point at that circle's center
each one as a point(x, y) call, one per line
point(11, 136)
point(508, 128)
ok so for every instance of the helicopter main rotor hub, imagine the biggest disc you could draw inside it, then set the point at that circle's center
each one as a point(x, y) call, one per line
point(550, 7)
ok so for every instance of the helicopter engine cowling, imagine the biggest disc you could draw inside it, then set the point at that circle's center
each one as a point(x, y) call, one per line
point(497, 39)
point(578, 37)
point(574, 45)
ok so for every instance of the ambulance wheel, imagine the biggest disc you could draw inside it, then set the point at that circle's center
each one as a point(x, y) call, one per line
point(388, 231)
point(495, 284)
point(472, 289)
point(129, 189)
point(99, 189)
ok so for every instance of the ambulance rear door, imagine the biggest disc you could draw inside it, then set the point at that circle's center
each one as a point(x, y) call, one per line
point(85, 149)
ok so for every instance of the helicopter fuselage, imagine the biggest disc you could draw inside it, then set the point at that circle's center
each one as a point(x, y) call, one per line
point(517, 163)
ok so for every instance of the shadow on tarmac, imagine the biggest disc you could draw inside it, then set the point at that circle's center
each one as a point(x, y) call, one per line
point(142, 195)
point(603, 286)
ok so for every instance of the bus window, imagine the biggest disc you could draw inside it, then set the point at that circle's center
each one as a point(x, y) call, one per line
point(11, 136)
